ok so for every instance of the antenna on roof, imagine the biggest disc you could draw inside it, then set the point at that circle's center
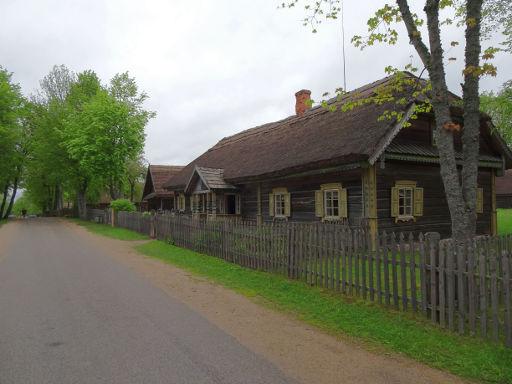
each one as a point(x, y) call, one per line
point(343, 44)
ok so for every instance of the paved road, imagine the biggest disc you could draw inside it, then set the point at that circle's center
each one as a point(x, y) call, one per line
point(71, 314)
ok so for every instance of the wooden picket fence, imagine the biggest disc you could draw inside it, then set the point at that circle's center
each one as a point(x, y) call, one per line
point(467, 291)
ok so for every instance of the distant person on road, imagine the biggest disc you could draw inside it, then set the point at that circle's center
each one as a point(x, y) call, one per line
point(24, 212)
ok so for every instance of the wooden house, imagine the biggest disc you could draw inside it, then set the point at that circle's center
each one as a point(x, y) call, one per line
point(504, 190)
point(351, 166)
point(154, 194)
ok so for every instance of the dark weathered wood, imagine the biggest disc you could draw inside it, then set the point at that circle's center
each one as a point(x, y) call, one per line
point(461, 299)
point(506, 298)
point(378, 267)
point(450, 285)
point(471, 291)
point(364, 253)
point(403, 271)
point(353, 239)
point(442, 290)
point(338, 250)
point(385, 255)
point(412, 273)
point(433, 283)
point(494, 296)
point(394, 268)
point(423, 275)
point(344, 250)
point(482, 266)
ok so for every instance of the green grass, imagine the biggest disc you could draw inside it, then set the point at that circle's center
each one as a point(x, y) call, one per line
point(109, 231)
point(504, 220)
point(378, 328)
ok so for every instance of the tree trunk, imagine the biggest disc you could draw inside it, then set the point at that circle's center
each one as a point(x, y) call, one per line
point(461, 196)
point(82, 202)
point(4, 199)
point(132, 190)
point(13, 196)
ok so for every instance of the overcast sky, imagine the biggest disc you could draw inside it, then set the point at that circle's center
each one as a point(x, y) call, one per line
point(210, 68)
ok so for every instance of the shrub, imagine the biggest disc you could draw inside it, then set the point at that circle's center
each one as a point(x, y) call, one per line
point(122, 205)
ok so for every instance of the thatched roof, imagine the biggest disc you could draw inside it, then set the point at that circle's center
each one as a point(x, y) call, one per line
point(318, 138)
point(157, 175)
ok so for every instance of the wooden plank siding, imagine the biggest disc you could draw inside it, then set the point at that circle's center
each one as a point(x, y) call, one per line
point(436, 215)
point(302, 192)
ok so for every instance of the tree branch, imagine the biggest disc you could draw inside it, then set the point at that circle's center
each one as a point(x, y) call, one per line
point(414, 35)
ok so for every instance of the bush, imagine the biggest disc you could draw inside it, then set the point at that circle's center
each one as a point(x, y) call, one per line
point(122, 205)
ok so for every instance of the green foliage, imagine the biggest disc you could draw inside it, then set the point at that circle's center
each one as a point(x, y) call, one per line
point(394, 331)
point(25, 203)
point(499, 107)
point(85, 138)
point(123, 205)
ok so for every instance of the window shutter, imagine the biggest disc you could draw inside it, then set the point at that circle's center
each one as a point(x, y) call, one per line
point(237, 204)
point(418, 202)
point(479, 200)
point(271, 204)
point(394, 202)
point(342, 202)
point(319, 203)
point(287, 204)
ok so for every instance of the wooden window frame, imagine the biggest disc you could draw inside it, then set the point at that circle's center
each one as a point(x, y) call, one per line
point(321, 202)
point(181, 202)
point(416, 200)
point(284, 197)
point(327, 215)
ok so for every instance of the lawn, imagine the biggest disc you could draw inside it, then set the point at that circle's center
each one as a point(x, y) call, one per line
point(109, 231)
point(504, 220)
point(376, 327)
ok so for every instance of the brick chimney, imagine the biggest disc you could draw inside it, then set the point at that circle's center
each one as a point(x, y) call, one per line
point(301, 98)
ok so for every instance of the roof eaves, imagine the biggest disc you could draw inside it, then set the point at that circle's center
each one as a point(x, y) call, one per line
point(387, 139)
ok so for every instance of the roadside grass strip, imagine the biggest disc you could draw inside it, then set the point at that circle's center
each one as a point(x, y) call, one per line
point(109, 231)
point(381, 329)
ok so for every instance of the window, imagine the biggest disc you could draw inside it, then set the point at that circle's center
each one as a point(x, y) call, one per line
point(406, 201)
point(180, 202)
point(331, 202)
point(331, 199)
point(279, 203)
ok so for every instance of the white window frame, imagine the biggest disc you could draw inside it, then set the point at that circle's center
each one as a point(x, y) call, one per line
point(328, 215)
point(280, 204)
point(405, 189)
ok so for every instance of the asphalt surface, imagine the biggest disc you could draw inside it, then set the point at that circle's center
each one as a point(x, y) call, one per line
point(71, 314)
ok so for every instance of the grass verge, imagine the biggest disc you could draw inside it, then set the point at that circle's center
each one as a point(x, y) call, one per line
point(379, 328)
point(109, 231)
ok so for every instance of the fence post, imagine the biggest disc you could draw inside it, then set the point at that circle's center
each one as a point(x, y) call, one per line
point(431, 280)
point(152, 225)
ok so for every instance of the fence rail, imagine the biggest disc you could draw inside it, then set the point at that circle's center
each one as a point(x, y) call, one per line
point(468, 291)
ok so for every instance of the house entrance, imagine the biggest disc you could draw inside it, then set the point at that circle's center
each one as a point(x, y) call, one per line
point(230, 204)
